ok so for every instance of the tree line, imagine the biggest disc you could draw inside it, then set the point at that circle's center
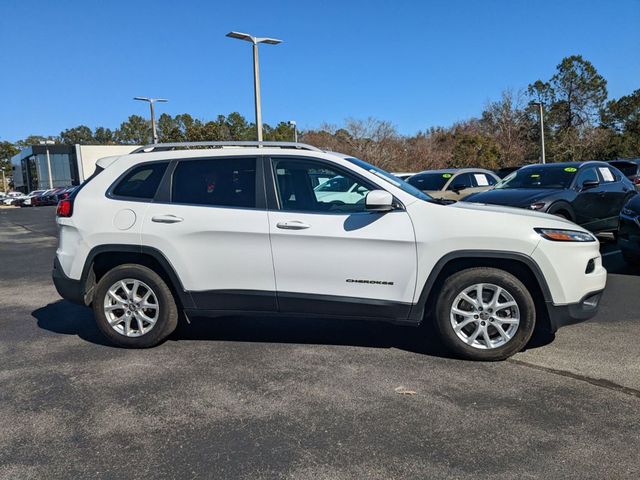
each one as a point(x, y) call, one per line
point(581, 123)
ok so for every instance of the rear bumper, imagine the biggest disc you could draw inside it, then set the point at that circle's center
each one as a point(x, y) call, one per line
point(562, 315)
point(68, 288)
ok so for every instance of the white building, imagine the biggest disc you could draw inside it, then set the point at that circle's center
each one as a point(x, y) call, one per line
point(70, 164)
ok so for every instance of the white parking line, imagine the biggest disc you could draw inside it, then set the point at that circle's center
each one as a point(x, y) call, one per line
point(611, 253)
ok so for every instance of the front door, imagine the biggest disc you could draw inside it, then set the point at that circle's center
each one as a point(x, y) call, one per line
point(333, 257)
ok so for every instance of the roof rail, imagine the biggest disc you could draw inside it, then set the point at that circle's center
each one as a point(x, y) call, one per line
point(161, 147)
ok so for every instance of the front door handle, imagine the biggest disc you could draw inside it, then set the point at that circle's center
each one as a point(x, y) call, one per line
point(293, 225)
point(166, 219)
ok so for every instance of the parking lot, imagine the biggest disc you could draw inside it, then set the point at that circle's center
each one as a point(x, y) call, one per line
point(302, 398)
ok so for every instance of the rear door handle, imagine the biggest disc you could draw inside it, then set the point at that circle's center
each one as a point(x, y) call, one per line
point(166, 219)
point(293, 225)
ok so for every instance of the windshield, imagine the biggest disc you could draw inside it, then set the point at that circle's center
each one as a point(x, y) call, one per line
point(549, 176)
point(430, 181)
point(401, 184)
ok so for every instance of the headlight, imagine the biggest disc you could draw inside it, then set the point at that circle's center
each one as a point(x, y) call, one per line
point(628, 211)
point(537, 206)
point(558, 235)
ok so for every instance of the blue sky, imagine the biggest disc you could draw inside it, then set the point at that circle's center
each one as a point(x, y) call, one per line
point(415, 63)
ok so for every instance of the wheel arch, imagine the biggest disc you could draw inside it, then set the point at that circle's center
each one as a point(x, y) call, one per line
point(518, 264)
point(562, 206)
point(103, 258)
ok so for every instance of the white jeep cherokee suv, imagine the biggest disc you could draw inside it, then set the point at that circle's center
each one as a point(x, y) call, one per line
point(227, 229)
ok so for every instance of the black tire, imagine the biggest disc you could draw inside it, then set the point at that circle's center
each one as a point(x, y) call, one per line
point(166, 322)
point(464, 279)
point(630, 258)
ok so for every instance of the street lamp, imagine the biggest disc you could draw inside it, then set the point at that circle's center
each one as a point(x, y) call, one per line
point(4, 178)
point(541, 113)
point(151, 101)
point(295, 130)
point(47, 143)
point(256, 71)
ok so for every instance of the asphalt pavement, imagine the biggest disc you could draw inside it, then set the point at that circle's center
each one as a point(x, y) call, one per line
point(303, 398)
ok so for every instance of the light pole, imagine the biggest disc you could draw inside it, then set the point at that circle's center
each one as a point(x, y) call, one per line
point(47, 143)
point(541, 113)
point(154, 133)
point(295, 130)
point(256, 71)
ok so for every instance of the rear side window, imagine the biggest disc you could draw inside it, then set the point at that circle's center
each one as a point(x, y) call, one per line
point(223, 182)
point(608, 175)
point(483, 180)
point(141, 182)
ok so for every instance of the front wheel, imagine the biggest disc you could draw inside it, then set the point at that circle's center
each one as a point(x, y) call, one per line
point(484, 314)
point(134, 307)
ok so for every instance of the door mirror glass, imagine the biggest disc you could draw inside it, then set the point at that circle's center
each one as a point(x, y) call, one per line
point(587, 184)
point(379, 201)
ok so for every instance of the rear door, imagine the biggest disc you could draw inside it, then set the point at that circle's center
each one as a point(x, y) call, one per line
point(332, 256)
point(210, 221)
point(615, 192)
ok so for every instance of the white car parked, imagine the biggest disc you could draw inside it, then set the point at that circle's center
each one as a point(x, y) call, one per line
point(218, 231)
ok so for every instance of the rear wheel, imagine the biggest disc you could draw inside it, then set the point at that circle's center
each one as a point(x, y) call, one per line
point(484, 314)
point(134, 307)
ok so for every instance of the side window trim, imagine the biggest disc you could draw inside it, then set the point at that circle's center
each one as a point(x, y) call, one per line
point(109, 193)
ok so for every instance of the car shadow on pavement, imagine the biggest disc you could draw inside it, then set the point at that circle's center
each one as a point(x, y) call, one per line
point(318, 331)
point(358, 333)
point(70, 319)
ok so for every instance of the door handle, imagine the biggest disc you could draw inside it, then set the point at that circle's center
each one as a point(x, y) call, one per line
point(166, 219)
point(293, 225)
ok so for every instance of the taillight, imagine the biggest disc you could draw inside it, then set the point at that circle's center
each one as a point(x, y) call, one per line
point(636, 180)
point(65, 208)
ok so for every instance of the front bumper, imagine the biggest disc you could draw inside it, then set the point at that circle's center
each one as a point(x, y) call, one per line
point(562, 315)
point(68, 288)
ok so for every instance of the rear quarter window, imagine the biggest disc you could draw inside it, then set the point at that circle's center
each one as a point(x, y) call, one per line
point(140, 182)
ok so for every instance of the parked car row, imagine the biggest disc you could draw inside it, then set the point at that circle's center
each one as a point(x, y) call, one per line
point(38, 198)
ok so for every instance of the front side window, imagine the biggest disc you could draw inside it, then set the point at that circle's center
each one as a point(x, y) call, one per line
point(461, 182)
point(587, 175)
point(141, 182)
point(223, 182)
point(390, 178)
point(335, 184)
point(341, 193)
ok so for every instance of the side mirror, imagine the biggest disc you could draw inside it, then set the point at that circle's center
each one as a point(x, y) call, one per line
point(587, 184)
point(458, 187)
point(379, 201)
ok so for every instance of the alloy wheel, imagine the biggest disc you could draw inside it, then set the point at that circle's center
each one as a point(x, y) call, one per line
point(131, 307)
point(485, 316)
